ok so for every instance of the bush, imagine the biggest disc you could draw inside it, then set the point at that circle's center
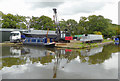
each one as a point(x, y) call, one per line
point(97, 33)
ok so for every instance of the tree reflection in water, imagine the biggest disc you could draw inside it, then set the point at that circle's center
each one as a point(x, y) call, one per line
point(19, 55)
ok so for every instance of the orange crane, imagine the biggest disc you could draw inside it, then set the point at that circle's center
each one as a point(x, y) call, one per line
point(48, 39)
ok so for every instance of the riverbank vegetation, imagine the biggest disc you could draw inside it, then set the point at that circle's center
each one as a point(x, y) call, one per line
point(79, 45)
point(87, 25)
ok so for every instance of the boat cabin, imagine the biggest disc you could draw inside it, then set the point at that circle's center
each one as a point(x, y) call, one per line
point(39, 40)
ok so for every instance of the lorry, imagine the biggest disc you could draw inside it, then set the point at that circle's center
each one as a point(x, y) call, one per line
point(17, 36)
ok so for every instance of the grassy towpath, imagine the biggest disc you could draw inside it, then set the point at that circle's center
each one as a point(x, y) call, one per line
point(79, 45)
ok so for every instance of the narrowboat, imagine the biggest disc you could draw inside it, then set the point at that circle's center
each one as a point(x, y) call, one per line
point(39, 41)
point(86, 38)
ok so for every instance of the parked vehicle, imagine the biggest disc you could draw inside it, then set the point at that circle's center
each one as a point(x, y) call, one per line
point(15, 36)
point(91, 38)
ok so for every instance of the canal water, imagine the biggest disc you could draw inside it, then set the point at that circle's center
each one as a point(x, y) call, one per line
point(35, 62)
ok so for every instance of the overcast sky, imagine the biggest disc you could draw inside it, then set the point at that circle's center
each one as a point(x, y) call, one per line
point(67, 9)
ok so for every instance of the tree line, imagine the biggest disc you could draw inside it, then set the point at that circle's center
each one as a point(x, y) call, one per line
point(87, 25)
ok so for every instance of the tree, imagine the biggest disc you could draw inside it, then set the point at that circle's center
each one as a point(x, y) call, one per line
point(35, 23)
point(98, 23)
point(42, 22)
point(112, 30)
point(71, 25)
point(95, 24)
point(117, 29)
point(83, 25)
point(46, 22)
point(13, 21)
point(63, 25)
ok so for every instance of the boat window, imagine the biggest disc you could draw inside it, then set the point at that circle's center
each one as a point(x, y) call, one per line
point(38, 40)
point(51, 40)
point(28, 40)
point(33, 40)
point(45, 40)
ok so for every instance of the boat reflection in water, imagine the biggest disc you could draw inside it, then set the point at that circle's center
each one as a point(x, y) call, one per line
point(89, 52)
point(51, 63)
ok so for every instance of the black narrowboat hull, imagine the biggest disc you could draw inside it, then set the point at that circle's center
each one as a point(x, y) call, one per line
point(40, 44)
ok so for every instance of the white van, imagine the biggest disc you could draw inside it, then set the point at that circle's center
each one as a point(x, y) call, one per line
point(15, 36)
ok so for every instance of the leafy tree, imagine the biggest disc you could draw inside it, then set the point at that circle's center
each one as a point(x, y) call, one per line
point(112, 30)
point(46, 22)
point(63, 25)
point(117, 29)
point(83, 25)
point(42, 22)
point(35, 23)
point(95, 24)
point(98, 23)
point(13, 21)
point(71, 25)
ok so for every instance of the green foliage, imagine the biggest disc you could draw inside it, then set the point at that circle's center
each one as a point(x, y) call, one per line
point(112, 30)
point(42, 22)
point(97, 32)
point(83, 25)
point(97, 25)
point(63, 25)
point(87, 25)
point(71, 26)
point(13, 21)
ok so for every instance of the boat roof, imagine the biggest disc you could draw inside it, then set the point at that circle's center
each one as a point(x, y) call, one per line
point(34, 38)
point(41, 32)
point(36, 32)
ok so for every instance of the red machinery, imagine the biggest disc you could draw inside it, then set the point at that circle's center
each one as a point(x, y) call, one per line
point(68, 38)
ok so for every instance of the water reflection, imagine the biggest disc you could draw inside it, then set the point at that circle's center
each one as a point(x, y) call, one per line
point(18, 51)
point(57, 59)
point(89, 52)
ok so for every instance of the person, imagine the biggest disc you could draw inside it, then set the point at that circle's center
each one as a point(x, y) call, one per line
point(116, 39)
point(23, 36)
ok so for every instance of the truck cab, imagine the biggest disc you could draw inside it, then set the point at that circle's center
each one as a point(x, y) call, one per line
point(15, 37)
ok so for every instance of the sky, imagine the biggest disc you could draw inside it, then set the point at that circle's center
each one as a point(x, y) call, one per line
point(66, 9)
